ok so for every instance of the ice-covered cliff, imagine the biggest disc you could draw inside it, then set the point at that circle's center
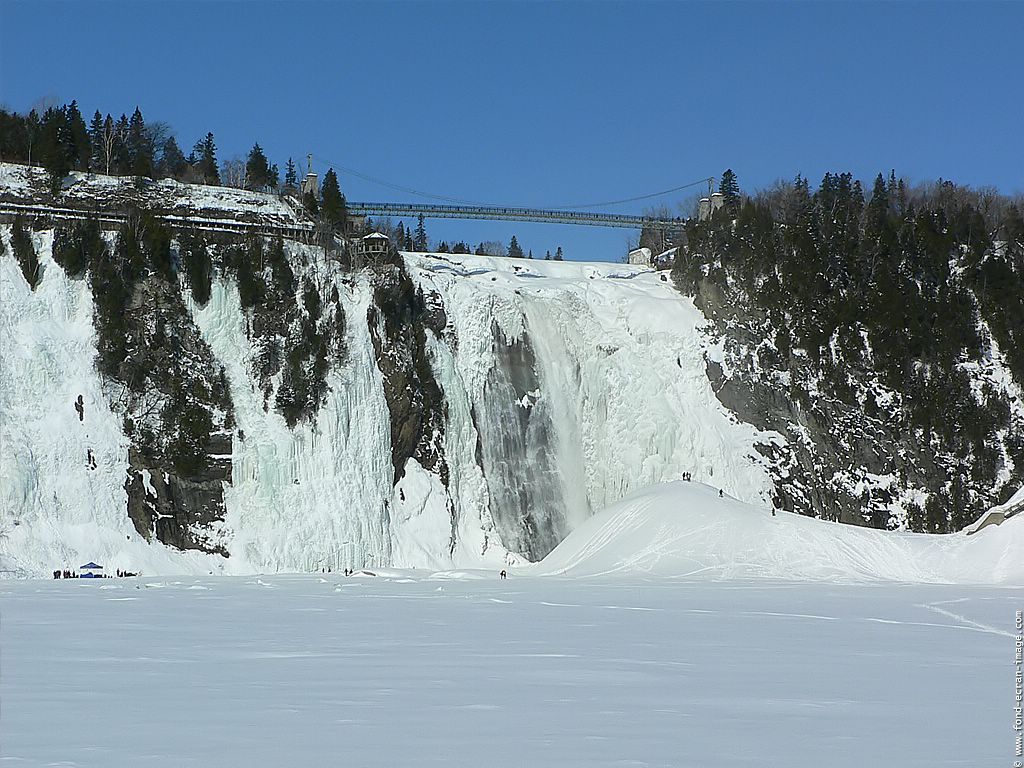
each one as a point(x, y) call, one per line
point(521, 397)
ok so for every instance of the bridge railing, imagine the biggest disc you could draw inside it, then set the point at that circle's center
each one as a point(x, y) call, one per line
point(513, 214)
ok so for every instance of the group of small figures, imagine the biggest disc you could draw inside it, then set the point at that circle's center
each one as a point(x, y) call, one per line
point(327, 569)
point(69, 574)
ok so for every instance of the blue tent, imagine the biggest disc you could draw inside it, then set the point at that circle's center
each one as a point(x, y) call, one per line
point(89, 571)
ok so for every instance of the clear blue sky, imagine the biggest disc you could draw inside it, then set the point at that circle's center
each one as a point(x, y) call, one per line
point(549, 103)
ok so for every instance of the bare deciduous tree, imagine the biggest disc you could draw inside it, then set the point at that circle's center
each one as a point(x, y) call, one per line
point(232, 172)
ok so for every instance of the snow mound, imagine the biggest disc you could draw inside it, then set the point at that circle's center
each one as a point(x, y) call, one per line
point(686, 530)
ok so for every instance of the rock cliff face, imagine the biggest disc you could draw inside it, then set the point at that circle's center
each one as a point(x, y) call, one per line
point(878, 340)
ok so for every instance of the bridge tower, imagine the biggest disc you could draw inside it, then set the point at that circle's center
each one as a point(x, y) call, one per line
point(310, 183)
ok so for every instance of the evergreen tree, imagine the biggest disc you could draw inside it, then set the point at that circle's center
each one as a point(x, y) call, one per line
point(140, 148)
point(204, 160)
point(96, 142)
point(311, 300)
point(311, 204)
point(198, 266)
point(257, 169)
point(420, 242)
point(33, 128)
point(558, 254)
point(514, 251)
point(283, 278)
point(80, 145)
point(55, 148)
point(249, 271)
point(173, 164)
point(332, 202)
point(547, 256)
point(122, 161)
point(25, 252)
point(291, 181)
point(730, 190)
point(78, 246)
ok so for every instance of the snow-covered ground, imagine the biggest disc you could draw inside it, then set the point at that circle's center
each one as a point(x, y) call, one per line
point(673, 629)
point(422, 670)
point(685, 530)
point(24, 184)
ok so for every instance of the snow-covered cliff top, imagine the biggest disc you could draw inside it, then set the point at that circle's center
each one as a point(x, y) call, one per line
point(24, 184)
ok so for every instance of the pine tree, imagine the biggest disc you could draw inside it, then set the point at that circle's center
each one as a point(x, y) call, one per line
point(558, 254)
point(140, 148)
point(96, 158)
point(80, 149)
point(122, 164)
point(878, 209)
point(730, 190)
point(291, 181)
point(311, 204)
point(173, 164)
point(547, 256)
point(257, 169)
point(78, 246)
point(25, 252)
point(420, 242)
point(332, 202)
point(514, 251)
point(55, 148)
point(249, 273)
point(198, 265)
point(204, 159)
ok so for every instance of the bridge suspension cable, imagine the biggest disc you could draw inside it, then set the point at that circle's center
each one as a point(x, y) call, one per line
point(447, 199)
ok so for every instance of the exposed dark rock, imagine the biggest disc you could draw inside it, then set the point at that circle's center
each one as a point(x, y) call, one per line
point(161, 376)
point(398, 322)
point(179, 511)
point(516, 452)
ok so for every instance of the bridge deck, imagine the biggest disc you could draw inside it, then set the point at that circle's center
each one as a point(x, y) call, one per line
point(513, 214)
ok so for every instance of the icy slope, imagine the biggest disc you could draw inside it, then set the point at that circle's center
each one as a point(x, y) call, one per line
point(685, 530)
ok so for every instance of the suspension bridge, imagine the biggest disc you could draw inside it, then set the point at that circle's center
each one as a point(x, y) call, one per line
point(453, 208)
point(498, 213)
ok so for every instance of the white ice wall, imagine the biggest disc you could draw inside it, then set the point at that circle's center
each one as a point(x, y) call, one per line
point(621, 375)
point(314, 496)
point(55, 511)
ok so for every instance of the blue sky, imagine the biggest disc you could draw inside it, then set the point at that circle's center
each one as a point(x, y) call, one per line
point(549, 104)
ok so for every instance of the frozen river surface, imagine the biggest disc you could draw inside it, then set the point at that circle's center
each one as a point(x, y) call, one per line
point(409, 669)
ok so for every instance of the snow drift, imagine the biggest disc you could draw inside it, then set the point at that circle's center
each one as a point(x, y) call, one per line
point(684, 529)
